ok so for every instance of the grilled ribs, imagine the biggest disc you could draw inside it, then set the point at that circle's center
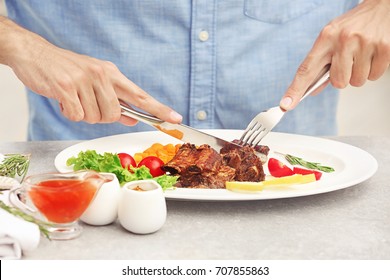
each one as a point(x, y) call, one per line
point(204, 167)
point(244, 160)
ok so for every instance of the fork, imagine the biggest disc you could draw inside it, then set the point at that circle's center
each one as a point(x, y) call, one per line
point(265, 121)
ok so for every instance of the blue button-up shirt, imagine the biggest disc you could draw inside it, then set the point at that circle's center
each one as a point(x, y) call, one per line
point(218, 63)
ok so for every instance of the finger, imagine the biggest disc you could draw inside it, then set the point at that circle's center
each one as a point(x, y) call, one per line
point(71, 107)
point(131, 93)
point(127, 121)
point(318, 58)
point(361, 66)
point(378, 68)
point(341, 68)
point(303, 79)
point(106, 98)
point(89, 103)
point(380, 62)
point(107, 102)
point(109, 106)
point(360, 71)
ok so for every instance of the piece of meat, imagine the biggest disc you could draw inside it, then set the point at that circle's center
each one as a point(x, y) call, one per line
point(262, 150)
point(203, 167)
point(244, 160)
point(192, 160)
point(208, 180)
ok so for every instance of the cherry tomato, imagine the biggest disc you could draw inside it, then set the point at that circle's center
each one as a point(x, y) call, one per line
point(278, 169)
point(154, 164)
point(303, 171)
point(127, 160)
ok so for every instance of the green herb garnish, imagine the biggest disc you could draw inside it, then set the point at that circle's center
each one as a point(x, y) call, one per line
point(294, 160)
point(17, 212)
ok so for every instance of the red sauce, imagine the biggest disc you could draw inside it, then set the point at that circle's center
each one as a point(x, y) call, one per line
point(62, 201)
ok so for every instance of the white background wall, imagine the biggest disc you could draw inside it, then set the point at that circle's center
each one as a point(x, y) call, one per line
point(362, 111)
point(13, 107)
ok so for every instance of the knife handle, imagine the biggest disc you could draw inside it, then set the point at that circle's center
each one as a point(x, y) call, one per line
point(128, 111)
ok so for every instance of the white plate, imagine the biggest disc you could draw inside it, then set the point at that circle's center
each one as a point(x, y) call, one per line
point(352, 165)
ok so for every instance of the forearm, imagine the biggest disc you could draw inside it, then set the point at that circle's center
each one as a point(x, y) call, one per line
point(14, 42)
point(378, 1)
point(384, 3)
point(7, 38)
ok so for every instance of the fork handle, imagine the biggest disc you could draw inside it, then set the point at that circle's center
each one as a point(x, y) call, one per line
point(321, 79)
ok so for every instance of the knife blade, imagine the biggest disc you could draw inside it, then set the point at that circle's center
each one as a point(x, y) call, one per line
point(181, 132)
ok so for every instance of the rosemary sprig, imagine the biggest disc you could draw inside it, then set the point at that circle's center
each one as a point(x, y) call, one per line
point(17, 212)
point(294, 160)
point(15, 164)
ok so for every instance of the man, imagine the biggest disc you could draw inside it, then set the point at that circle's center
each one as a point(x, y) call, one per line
point(217, 63)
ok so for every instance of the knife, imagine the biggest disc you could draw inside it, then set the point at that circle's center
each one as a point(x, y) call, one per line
point(182, 132)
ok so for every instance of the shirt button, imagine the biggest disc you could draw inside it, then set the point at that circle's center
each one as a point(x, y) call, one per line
point(203, 36)
point(201, 115)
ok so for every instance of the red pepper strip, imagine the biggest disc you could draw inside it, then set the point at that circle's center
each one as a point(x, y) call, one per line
point(303, 171)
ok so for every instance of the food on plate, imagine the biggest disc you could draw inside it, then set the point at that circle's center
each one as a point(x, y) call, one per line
point(278, 169)
point(90, 159)
point(303, 171)
point(204, 167)
point(200, 167)
point(294, 160)
point(190, 166)
point(127, 161)
point(274, 183)
point(110, 163)
point(262, 150)
point(154, 164)
point(245, 161)
point(173, 132)
point(164, 152)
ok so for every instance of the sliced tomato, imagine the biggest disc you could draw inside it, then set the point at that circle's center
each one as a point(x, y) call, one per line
point(278, 169)
point(127, 160)
point(303, 171)
point(154, 164)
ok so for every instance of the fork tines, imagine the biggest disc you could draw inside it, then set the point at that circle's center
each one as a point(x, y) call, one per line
point(253, 134)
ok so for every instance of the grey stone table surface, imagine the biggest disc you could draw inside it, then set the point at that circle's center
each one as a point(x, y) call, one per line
point(351, 223)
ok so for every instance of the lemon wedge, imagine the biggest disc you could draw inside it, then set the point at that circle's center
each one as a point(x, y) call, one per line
point(272, 183)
